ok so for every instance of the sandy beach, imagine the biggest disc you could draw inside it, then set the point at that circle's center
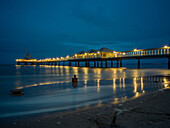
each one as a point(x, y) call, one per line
point(149, 110)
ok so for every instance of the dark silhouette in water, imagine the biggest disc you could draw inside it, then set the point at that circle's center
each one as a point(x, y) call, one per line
point(74, 84)
point(17, 92)
point(74, 81)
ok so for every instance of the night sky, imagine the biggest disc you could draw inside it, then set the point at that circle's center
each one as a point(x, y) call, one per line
point(54, 28)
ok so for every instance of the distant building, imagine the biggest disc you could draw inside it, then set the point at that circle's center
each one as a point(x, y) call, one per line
point(27, 59)
point(103, 52)
point(28, 56)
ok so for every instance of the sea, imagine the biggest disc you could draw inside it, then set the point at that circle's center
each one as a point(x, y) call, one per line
point(50, 88)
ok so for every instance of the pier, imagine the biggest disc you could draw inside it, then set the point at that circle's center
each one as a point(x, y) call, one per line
point(100, 58)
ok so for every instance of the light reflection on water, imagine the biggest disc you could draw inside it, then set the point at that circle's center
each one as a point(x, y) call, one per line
point(49, 88)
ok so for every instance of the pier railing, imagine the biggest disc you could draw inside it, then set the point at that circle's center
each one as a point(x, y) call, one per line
point(135, 52)
point(145, 52)
point(141, 52)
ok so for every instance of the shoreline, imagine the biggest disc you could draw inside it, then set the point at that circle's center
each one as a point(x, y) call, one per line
point(151, 110)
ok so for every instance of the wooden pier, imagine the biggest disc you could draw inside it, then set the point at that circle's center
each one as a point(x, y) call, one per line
point(100, 58)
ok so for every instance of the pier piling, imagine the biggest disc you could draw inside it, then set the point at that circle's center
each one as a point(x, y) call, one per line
point(138, 63)
point(120, 63)
point(117, 64)
point(101, 64)
point(111, 64)
point(97, 64)
point(78, 63)
point(106, 63)
point(94, 64)
point(87, 63)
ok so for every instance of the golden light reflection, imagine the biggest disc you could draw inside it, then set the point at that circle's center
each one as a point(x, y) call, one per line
point(123, 82)
point(85, 83)
point(120, 82)
point(135, 74)
point(98, 85)
point(116, 101)
point(75, 70)
point(137, 94)
point(85, 71)
point(98, 72)
point(114, 72)
point(141, 83)
point(45, 83)
point(61, 71)
point(165, 83)
point(121, 70)
point(66, 70)
point(135, 85)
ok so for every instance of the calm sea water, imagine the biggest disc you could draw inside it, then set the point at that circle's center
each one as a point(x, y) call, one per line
point(49, 88)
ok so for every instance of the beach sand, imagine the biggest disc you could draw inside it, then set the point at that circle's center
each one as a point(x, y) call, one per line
point(149, 110)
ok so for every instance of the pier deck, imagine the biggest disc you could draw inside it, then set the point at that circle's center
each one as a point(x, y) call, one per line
point(154, 53)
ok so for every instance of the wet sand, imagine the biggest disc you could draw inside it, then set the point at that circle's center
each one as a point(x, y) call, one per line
point(149, 110)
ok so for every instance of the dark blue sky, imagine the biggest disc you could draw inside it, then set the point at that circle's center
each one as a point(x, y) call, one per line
point(60, 27)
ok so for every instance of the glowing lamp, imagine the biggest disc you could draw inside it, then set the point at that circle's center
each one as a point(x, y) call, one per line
point(135, 50)
point(165, 46)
